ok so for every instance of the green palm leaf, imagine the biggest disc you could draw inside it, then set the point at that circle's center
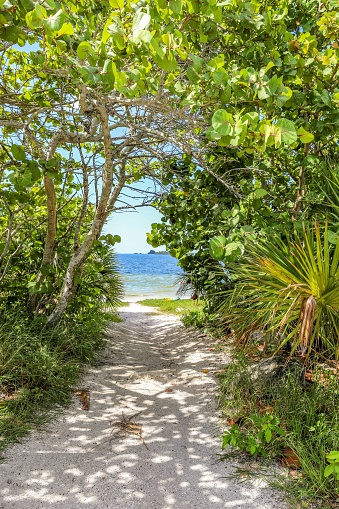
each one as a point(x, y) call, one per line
point(101, 278)
point(290, 290)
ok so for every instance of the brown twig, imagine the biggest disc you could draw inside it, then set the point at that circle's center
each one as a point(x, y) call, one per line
point(127, 426)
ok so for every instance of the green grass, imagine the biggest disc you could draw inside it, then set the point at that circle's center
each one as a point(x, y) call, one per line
point(176, 307)
point(307, 412)
point(39, 370)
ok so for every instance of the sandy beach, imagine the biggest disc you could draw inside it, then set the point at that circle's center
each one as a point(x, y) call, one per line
point(150, 438)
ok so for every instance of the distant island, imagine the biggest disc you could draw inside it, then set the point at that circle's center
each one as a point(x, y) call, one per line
point(158, 252)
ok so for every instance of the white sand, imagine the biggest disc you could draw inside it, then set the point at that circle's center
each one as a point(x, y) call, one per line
point(84, 461)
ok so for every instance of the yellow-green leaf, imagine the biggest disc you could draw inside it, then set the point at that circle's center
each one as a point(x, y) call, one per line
point(116, 4)
point(304, 136)
point(66, 29)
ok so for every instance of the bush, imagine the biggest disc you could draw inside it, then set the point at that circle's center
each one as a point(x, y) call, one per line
point(305, 412)
point(39, 369)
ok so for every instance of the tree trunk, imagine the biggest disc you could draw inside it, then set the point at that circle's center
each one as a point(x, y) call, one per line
point(48, 254)
point(78, 258)
point(107, 199)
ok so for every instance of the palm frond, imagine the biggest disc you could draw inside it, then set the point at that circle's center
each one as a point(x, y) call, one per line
point(102, 280)
point(289, 289)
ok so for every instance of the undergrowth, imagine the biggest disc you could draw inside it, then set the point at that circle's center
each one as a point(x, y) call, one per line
point(286, 417)
point(39, 369)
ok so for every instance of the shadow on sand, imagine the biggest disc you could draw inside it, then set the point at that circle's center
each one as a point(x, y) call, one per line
point(152, 366)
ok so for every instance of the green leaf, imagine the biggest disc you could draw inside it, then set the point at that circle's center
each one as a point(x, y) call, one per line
point(24, 179)
point(66, 29)
point(110, 239)
point(269, 66)
point(34, 171)
point(168, 63)
point(221, 122)
point(268, 435)
point(50, 3)
point(217, 247)
point(310, 161)
point(9, 33)
point(143, 36)
point(116, 4)
point(333, 455)
point(198, 62)
point(141, 22)
point(193, 75)
point(211, 134)
point(61, 45)
point(117, 34)
point(55, 22)
point(233, 251)
point(265, 129)
point(251, 117)
point(260, 193)
point(157, 48)
point(18, 152)
point(263, 93)
point(175, 6)
point(274, 84)
point(220, 78)
point(83, 50)
point(40, 12)
point(304, 136)
point(27, 4)
point(32, 20)
point(322, 97)
point(288, 131)
point(329, 470)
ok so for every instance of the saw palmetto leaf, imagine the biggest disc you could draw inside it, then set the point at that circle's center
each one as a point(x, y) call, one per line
point(289, 289)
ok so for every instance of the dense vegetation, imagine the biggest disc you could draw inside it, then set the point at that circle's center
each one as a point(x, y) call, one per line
point(231, 108)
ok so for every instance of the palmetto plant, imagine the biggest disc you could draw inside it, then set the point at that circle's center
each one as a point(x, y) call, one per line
point(289, 289)
point(100, 282)
point(324, 195)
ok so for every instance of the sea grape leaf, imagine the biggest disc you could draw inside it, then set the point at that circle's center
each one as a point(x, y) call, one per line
point(288, 132)
point(217, 247)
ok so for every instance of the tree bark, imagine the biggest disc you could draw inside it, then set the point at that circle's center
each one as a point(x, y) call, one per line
point(78, 258)
point(107, 198)
point(51, 203)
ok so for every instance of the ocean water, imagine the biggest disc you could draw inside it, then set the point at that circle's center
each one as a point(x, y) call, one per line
point(149, 276)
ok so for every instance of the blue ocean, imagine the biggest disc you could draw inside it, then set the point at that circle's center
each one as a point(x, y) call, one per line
point(149, 276)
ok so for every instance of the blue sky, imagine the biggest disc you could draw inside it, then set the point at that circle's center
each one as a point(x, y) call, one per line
point(132, 227)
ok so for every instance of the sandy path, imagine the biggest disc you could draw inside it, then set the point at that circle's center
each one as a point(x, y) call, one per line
point(84, 461)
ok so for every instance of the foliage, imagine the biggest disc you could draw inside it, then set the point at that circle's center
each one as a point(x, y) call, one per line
point(197, 319)
point(97, 71)
point(100, 284)
point(38, 371)
point(263, 428)
point(59, 122)
point(270, 166)
point(306, 411)
point(333, 467)
point(290, 289)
